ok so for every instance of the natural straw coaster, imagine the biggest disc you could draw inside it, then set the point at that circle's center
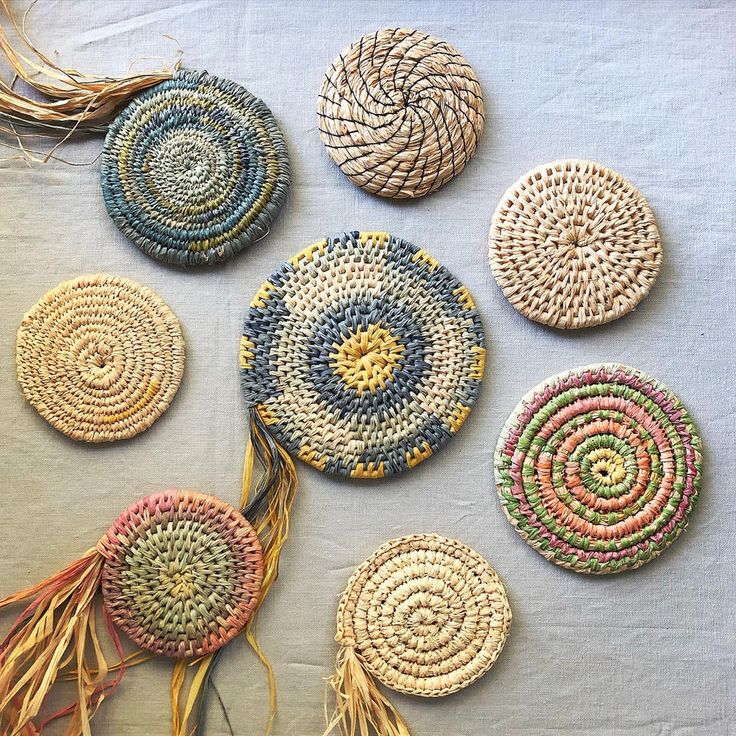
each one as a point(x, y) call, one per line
point(362, 355)
point(426, 615)
point(599, 468)
point(573, 244)
point(400, 113)
point(194, 169)
point(182, 573)
point(100, 357)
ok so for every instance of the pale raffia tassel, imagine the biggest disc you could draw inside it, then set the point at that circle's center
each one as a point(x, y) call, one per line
point(57, 629)
point(361, 709)
point(75, 102)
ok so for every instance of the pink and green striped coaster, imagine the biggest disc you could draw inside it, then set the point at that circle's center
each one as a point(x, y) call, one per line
point(599, 468)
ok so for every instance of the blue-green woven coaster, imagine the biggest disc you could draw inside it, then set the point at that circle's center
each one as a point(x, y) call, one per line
point(195, 169)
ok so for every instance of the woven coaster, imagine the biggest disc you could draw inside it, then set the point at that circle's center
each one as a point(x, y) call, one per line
point(426, 615)
point(573, 244)
point(182, 573)
point(362, 355)
point(599, 468)
point(194, 169)
point(100, 357)
point(400, 113)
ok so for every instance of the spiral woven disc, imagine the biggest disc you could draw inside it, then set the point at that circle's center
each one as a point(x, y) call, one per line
point(598, 468)
point(362, 354)
point(427, 615)
point(100, 357)
point(194, 169)
point(573, 244)
point(400, 113)
point(182, 573)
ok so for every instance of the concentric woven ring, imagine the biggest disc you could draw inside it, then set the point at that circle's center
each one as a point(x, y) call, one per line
point(362, 355)
point(100, 357)
point(194, 169)
point(426, 615)
point(574, 244)
point(599, 468)
point(182, 573)
point(400, 113)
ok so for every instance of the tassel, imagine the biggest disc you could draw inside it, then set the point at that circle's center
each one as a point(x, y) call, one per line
point(267, 508)
point(360, 706)
point(55, 630)
point(268, 511)
point(76, 102)
point(179, 719)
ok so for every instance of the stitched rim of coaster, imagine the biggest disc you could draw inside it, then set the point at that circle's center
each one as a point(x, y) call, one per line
point(194, 169)
point(599, 468)
point(573, 244)
point(362, 355)
point(182, 573)
point(400, 112)
point(100, 357)
point(419, 578)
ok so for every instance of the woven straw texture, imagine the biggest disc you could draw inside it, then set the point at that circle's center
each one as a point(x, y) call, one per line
point(400, 113)
point(573, 244)
point(194, 169)
point(362, 354)
point(100, 357)
point(599, 468)
point(182, 573)
point(427, 615)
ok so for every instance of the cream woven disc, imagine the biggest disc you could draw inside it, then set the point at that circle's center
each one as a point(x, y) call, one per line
point(100, 357)
point(400, 112)
point(573, 244)
point(427, 615)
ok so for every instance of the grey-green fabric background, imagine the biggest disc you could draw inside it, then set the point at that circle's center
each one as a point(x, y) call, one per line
point(647, 88)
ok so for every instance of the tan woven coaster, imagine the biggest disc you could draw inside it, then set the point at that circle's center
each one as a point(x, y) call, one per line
point(427, 615)
point(573, 244)
point(424, 615)
point(100, 357)
point(400, 112)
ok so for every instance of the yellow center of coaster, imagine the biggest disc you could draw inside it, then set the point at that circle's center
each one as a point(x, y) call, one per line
point(607, 466)
point(367, 358)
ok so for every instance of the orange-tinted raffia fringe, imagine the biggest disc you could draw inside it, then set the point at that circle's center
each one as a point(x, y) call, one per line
point(52, 632)
point(75, 102)
point(180, 573)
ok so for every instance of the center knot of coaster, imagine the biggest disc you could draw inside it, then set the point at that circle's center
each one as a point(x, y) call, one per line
point(367, 358)
point(179, 579)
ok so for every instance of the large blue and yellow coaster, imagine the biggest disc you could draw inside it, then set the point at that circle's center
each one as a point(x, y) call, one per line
point(195, 169)
point(362, 355)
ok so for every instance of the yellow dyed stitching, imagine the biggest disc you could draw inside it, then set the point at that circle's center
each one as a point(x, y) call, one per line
point(263, 295)
point(311, 456)
point(479, 362)
point(367, 358)
point(371, 470)
point(417, 454)
point(463, 297)
point(422, 256)
point(458, 415)
point(266, 415)
point(308, 253)
point(378, 238)
point(151, 391)
point(247, 352)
